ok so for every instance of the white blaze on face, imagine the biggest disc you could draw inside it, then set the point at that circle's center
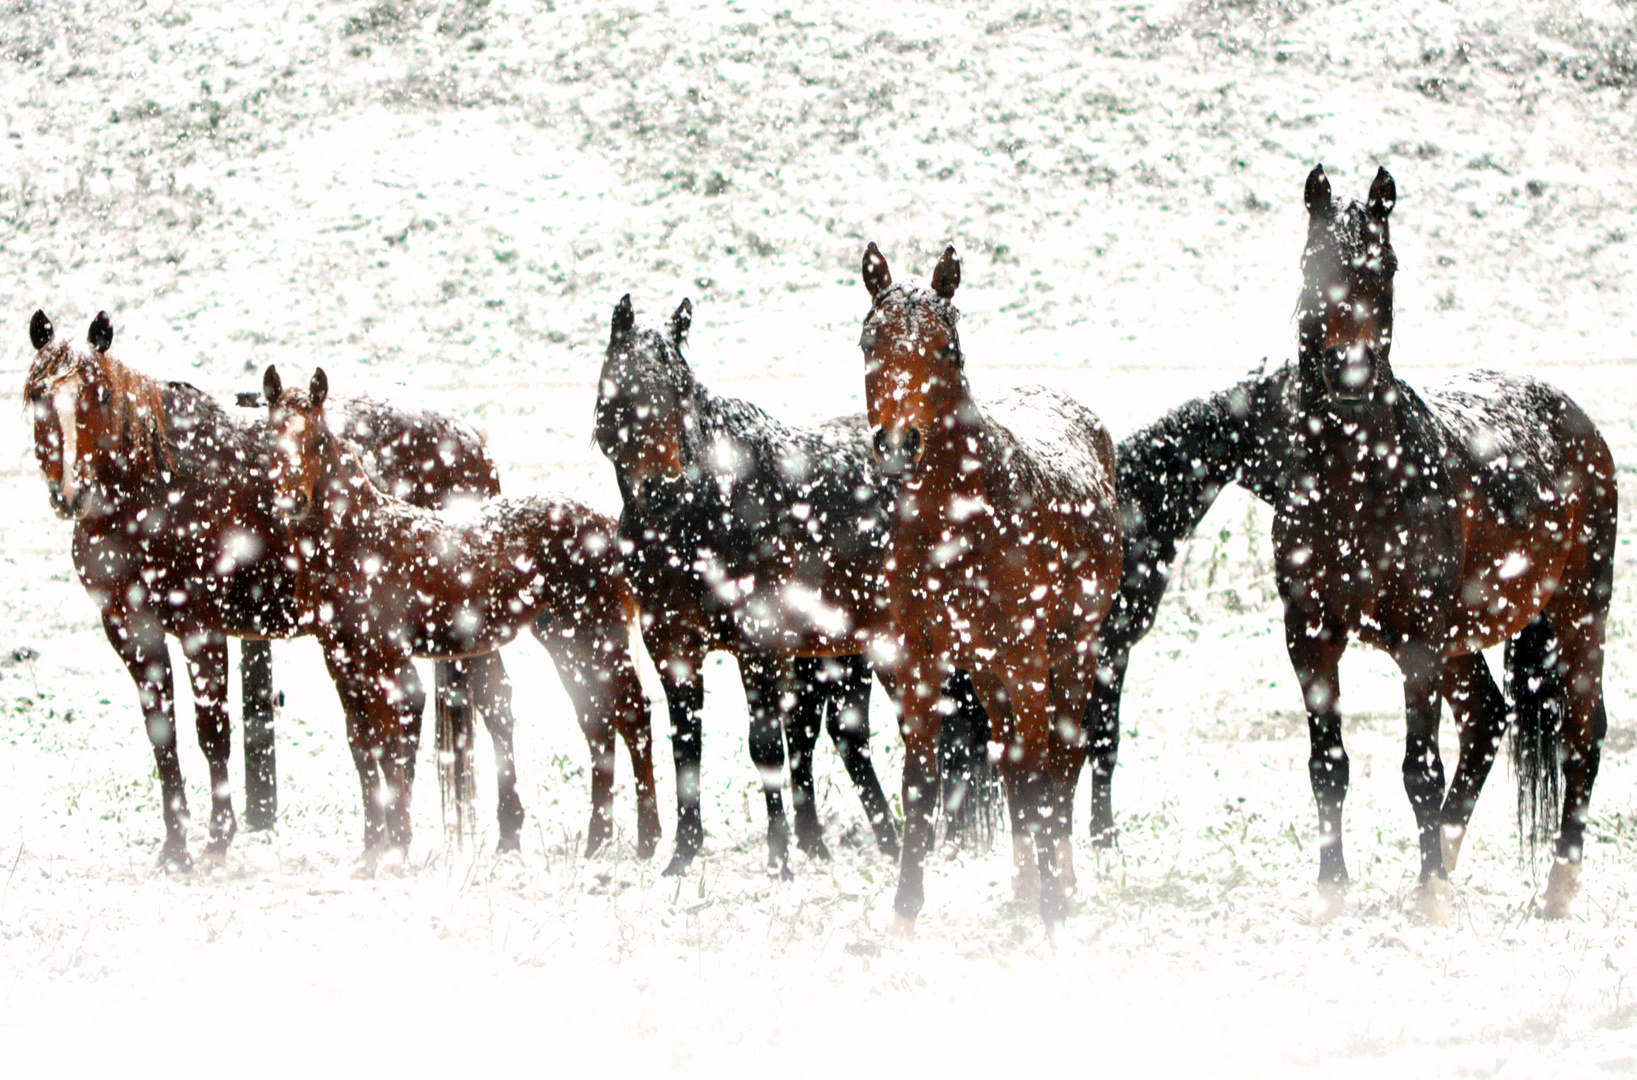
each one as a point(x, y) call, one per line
point(65, 400)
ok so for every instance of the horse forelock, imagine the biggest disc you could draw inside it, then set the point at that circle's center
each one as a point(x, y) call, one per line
point(923, 310)
point(1349, 244)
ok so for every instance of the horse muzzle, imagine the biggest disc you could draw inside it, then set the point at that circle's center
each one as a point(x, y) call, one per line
point(70, 509)
point(1350, 375)
point(898, 453)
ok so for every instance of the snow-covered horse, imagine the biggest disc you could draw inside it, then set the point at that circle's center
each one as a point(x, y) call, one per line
point(763, 540)
point(381, 581)
point(1433, 527)
point(1004, 557)
point(174, 532)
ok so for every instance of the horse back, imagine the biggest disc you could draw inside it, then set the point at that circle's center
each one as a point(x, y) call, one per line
point(1047, 449)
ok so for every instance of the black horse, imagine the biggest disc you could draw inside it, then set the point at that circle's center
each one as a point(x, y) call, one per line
point(764, 540)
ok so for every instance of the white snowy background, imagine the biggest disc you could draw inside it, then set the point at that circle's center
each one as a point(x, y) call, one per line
point(441, 202)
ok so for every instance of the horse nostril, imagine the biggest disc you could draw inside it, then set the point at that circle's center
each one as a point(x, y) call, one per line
point(881, 442)
point(912, 443)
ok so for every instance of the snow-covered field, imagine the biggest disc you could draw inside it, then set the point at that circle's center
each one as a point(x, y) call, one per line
point(442, 201)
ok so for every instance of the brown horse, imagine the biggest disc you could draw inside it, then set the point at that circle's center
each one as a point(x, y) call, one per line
point(1005, 555)
point(174, 532)
point(383, 581)
point(1433, 527)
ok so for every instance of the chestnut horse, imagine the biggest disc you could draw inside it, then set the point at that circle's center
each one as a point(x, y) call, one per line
point(761, 539)
point(1433, 527)
point(174, 533)
point(1005, 556)
point(381, 581)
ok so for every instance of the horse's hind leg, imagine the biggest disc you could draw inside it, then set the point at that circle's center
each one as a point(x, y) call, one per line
point(1480, 713)
point(811, 689)
point(1103, 744)
point(491, 691)
point(140, 642)
point(1065, 757)
point(847, 718)
point(766, 687)
point(206, 653)
point(967, 779)
point(1585, 724)
point(579, 675)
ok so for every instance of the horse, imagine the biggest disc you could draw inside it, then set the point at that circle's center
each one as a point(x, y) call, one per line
point(764, 540)
point(380, 581)
point(1168, 475)
point(1433, 526)
point(174, 534)
point(1004, 557)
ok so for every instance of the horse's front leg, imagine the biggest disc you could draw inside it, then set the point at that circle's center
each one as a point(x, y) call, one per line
point(997, 702)
point(1423, 672)
point(810, 688)
point(681, 675)
point(1316, 644)
point(140, 641)
point(769, 693)
point(917, 682)
point(206, 653)
point(370, 720)
point(1028, 688)
point(1480, 713)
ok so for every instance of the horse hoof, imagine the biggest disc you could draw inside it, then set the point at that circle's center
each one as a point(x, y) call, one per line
point(1332, 901)
point(1562, 886)
point(678, 865)
point(176, 860)
point(1104, 838)
point(215, 853)
point(903, 926)
point(780, 871)
point(1434, 901)
point(508, 844)
point(814, 849)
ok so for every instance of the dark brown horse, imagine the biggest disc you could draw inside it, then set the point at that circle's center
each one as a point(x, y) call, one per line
point(757, 538)
point(174, 532)
point(1433, 527)
point(1005, 556)
point(382, 581)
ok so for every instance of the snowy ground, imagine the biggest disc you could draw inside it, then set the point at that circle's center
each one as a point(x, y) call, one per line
point(443, 202)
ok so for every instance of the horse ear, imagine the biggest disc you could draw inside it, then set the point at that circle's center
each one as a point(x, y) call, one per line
point(1383, 194)
point(947, 277)
point(319, 387)
point(680, 321)
point(102, 332)
point(272, 387)
point(1317, 193)
point(877, 278)
point(624, 320)
point(40, 331)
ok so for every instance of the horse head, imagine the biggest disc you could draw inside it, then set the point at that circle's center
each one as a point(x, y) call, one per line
point(912, 359)
point(645, 406)
point(298, 429)
point(77, 406)
point(1345, 314)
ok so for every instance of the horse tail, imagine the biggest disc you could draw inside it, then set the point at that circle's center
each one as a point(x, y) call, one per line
point(970, 788)
point(1539, 698)
point(457, 776)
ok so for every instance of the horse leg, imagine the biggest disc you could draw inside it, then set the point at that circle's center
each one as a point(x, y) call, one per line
point(261, 798)
point(1422, 669)
point(812, 693)
point(684, 700)
point(766, 687)
point(1103, 738)
point(1480, 712)
point(206, 653)
point(578, 672)
point(1585, 724)
point(1029, 690)
point(963, 761)
point(622, 707)
point(847, 718)
point(1065, 757)
point(917, 683)
point(414, 713)
point(1025, 864)
point(372, 722)
point(491, 691)
point(140, 642)
point(1315, 645)
point(453, 702)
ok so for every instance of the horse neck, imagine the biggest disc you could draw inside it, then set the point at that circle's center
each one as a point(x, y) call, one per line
point(1374, 434)
point(134, 446)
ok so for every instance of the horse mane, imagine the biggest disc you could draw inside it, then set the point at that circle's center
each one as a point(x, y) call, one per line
point(140, 438)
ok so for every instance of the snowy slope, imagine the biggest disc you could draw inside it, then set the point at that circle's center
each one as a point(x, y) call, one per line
point(443, 202)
